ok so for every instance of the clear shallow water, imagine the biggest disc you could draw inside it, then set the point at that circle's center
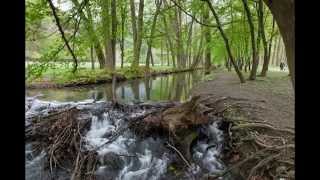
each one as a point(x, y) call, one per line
point(168, 87)
point(128, 157)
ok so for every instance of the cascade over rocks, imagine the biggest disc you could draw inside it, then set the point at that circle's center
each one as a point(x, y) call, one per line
point(188, 131)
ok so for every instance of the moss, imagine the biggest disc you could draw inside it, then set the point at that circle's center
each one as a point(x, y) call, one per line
point(64, 77)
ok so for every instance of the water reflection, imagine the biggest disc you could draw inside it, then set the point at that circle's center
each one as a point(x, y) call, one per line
point(169, 87)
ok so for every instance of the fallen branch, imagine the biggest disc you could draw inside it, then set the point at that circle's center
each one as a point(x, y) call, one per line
point(179, 153)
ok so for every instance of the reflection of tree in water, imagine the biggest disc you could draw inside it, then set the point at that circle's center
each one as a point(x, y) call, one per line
point(179, 86)
point(99, 95)
point(160, 87)
point(147, 85)
point(122, 92)
point(135, 89)
point(110, 90)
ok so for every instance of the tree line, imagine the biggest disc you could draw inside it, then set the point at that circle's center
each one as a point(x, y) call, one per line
point(184, 34)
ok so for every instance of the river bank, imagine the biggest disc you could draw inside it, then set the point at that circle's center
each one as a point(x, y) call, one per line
point(86, 76)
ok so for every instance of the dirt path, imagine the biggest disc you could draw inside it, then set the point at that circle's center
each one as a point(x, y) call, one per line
point(273, 95)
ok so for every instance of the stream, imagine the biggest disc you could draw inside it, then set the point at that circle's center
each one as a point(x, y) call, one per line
point(174, 87)
point(128, 157)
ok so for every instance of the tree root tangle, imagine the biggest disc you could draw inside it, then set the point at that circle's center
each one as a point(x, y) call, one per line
point(255, 148)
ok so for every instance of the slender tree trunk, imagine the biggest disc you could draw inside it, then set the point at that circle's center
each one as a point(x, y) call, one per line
point(92, 58)
point(189, 41)
point(170, 43)
point(137, 29)
point(197, 57)
point(107, 20)
point(123, 21)
point(151, 57)
point(153, 28)
point(225, 39)
point(75, 61)
point(255, 61)
point(114, 32)
point(161, 52)
point(168, 51)
point(91, 32)
point(207, 35)
point(178, 32)
point(267, 60)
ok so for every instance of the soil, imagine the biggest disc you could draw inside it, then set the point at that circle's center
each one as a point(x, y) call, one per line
point(274, 94)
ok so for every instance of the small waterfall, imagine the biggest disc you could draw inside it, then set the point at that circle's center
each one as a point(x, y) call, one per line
point(128, 157)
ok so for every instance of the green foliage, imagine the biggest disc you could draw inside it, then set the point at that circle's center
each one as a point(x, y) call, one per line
point(43, 39)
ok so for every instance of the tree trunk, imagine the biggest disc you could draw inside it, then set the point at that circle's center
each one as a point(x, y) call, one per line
point(189, 41)
point(255, 59)
point(161, 52)
point(92, 58)
point(153, 28)
point(91, 32)
point(267, 58)
point(63, 36)
point(283, 12)
point(137, 28)
point(225, 39)
point(114, 32)
point(207, 35)
point(123, 20)
point(178, 32)
point(169, 38)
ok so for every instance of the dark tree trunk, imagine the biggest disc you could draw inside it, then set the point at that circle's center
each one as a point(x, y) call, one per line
point(267, 58)
point(153, 28)
point(92, 58)
point(114, 32)
point(91, 32)
point(255, 59)
point(283, 12)
point(226, 41)
point(123, 20)
point(207, 35)
point(75, 61)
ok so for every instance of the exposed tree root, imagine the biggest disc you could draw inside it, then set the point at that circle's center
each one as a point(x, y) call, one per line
point(256, 147)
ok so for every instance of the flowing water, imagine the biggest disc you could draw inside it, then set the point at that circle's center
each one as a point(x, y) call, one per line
point(168, 87)
point(128, 157)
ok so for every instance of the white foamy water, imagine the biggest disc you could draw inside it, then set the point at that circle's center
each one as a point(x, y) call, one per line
point(127, 157)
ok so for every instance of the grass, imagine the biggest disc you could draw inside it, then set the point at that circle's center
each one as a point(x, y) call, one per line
point(64, 77)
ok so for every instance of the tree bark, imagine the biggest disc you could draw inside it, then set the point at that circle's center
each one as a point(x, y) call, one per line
point(75, 61)
point(92, 57)
point(207, 35)
point(226, 41)
point(169, 38)
point(123, 20)
point(153, 28)
point(255, 59)
point(137, 28)
point(266, 61)
point(283, 12)
point(91, 32)
point(114, 33)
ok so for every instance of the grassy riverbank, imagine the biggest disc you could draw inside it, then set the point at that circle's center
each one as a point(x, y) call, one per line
point(55, 78)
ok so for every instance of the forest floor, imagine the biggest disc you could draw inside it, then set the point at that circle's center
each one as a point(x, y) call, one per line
point(273, 93)
point(261, 114)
